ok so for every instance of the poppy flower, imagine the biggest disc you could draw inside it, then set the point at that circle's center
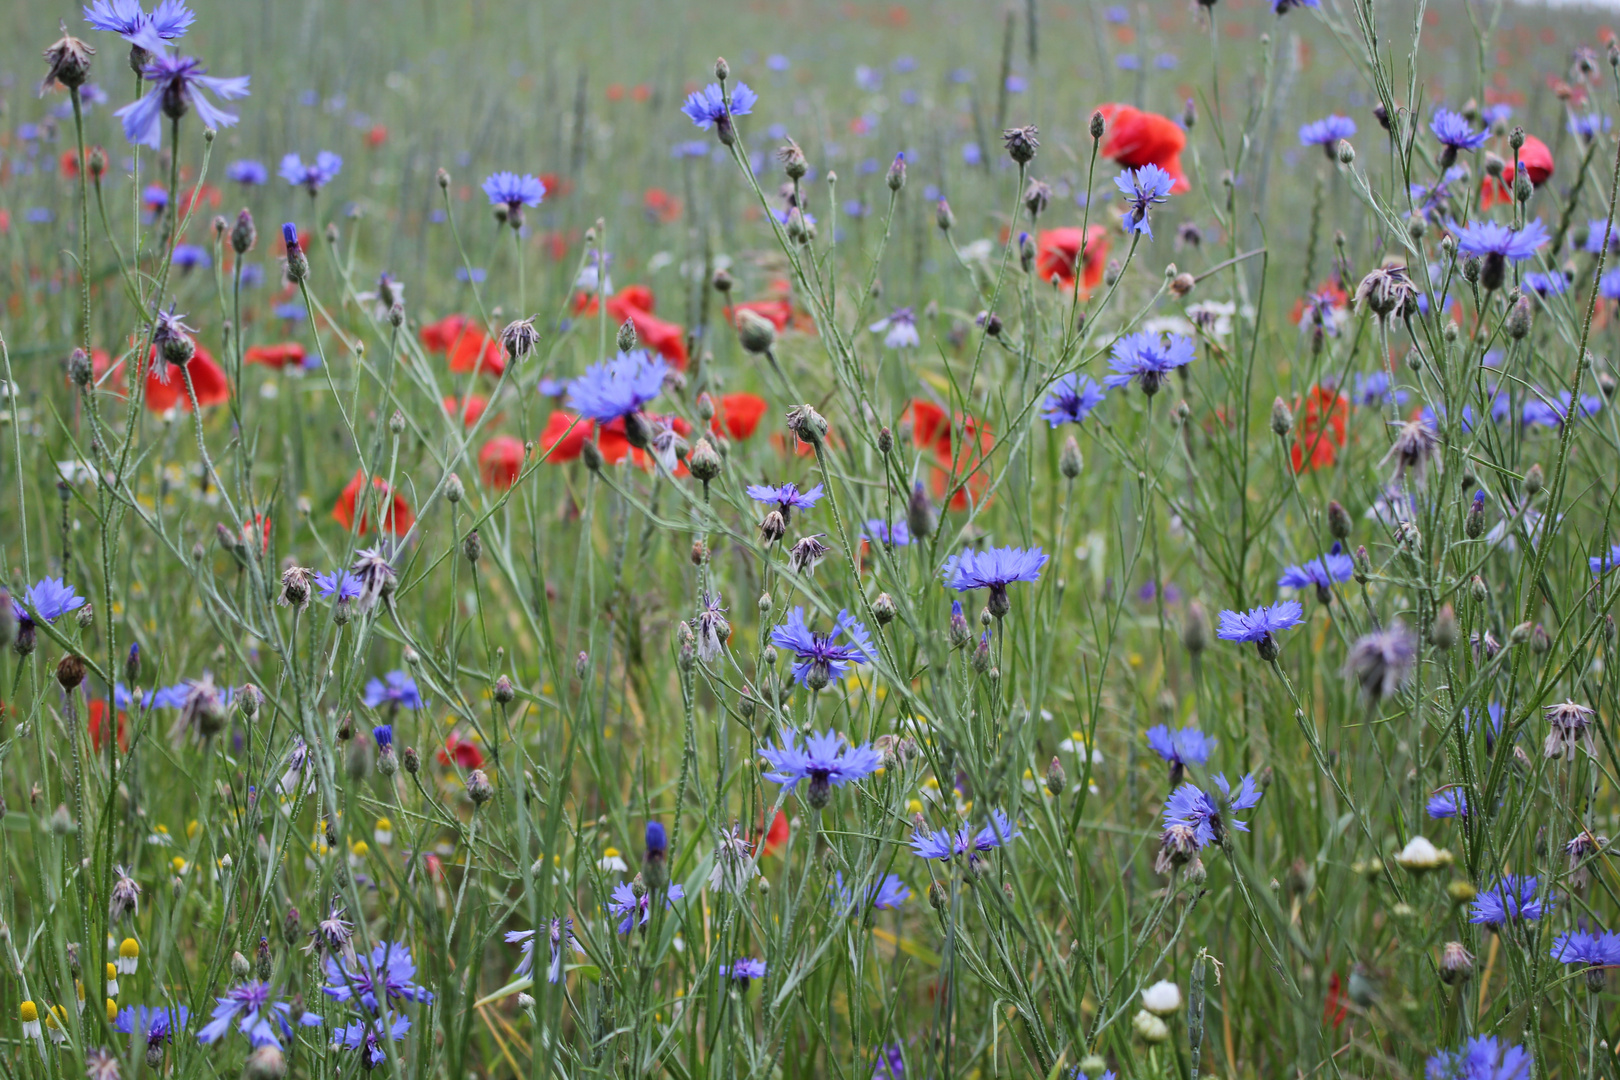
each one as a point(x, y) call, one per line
point(564, 437)
point(463, 750)
point(1538, 165)
point(501, 460)
point(470, 408)
point(98, 717)
point(661, 206)
point(631, 296)
point(276, 356)
point(779, 311)
point(1136, 138)
point(397, 519)
point(556, 186)
point(207, 382)
point(192, 199)
point(1058, 250)
point(1333, 1010)
point(1320, 431)
point(777, 835)
point(438, 337)
point(958, 474)
point(474, 352)
point(738, 414)
point(635, 303)
point(376, 135)
point(260, 525)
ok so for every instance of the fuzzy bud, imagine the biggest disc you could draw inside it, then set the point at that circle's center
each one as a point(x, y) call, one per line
point(1070, 460)
point(1534, 480)
point(755, 333)
point(412, 760)
point(479, 789)
point(80, 369)
point(70, 672)
point(897, 173)
point(943, 216)
point(1445, 632)
point(297, 265)
point(1056, 781)
point(454, 489)
point(921, 518)
point(1195, 628)
point(883, 609)
point(1282, 418)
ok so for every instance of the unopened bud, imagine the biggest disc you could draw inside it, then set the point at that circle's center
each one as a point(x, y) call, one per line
point(1445, 632)
point(1070, 461)
point(1534, 480)
point(883, 609)
point(1282, 418)
point(1056, 781)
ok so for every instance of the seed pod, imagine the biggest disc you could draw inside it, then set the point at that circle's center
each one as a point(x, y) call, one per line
point(70, 672)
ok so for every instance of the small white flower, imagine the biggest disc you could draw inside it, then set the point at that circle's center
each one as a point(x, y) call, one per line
point(611, 861)
point(1419, 855)
point(1162, 998)
point(1150, 1028)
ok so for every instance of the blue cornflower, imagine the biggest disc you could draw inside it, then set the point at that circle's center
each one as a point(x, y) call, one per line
point(364, 1035)
point(899, 329)
point(885, 895)
point(994, 569)
point(1428, 198)
point(1582, 947)
point(1327, 132)
point(1321, 573)
point(617, 387)
point(314, 175)
point(1449, 803)
point(1510, 900)
point(823, 657)
point(827, 760)
point(1193, 808)
point(1143, 187)
point(743, 969)
point(1071, 399)
point(1491, 238)
point(1481, 1058)
point(1147, 358)
point(708, 107)
point(399, 690)
point(1258, 625)
point(512, 191)
point(251, 1008)
point(247, 172)
point(945, 844)
point(49, 598)
point(637, 910)
point(1455, 133)
point(1596, 230)
point(1375, 389)
point(340, 584)
point(168, 21)
point(786, 498)
point(154, 1026)
point(561, 933)
point(388, 970)
point(777, 62)
point(894, 534)
point(1189, 746)
point(1589, 125)
point(1602, 564)
point(1545, 285)
point(177, 84)
point(191, 257)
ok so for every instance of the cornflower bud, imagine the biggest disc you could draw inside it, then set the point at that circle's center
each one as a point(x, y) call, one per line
point(502, 691)
point(883, 609)
point(244, 234)
point(479, 789)
point(454, 489)
point(472, 546)
point(943, 216)
point(1445, 632)
point(1195, 628)
point(897, 173)
point(704, 461)
point(1056, 781)
point(920, 515)
point(412, 760)
point(297, 264)
point(1534, 480)
point(1098, 124)
point(1282, 418)
point(80, 369)
point(626, 339)
point(1070, 461)
point(70, 672)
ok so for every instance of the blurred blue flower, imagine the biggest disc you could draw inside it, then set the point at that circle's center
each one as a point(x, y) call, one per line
point(899, 329)
point(1450, 803)
point(168, 22)
point(1144, 187)
point(191, 257)
point(945, 844)
point(822, 657)
point(512, 191)
point(313, 176)
point(1193, 808)
point(386, 977)
point(177, 84)
point(618, 387)
point(708, 107)
point(247, 172)
point(1493, 238)
point(474, 276)
point(396, 688)
point(1333, 568)
point(1259, 625)
point(777, 62)
point(364, 1035)
point(882, 532)
point(1128, 62)
point(1455, 132)
point(637, 910)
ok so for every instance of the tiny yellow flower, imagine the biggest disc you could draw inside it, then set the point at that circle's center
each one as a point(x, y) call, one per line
point(179, 864)
point(191, 829)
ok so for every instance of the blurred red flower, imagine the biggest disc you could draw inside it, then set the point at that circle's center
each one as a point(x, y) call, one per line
point(397, 518)
point(564, 437)
point(1135, 138)
point(463, 750)
point(98, 717)
point(276, 356)
point(501, 460)
point(1057, 251)
point(470, 408)
point(738, 414)
point(1538, 165)
point(1319, 432)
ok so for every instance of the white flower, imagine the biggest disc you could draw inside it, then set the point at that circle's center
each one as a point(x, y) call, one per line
point(1150, 1028)
point(611, 861)
point(1162, 998)
point(1419, 855)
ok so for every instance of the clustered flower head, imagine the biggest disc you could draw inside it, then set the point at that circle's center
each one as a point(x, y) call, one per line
point(177, 85)
point(1207, 816)
point(1327, 133)
point(994, 569)
point(1147, 359)
point(1143, 188)
point(947, 843)
point(1071, 399)
point(822, 658)
point(1483, 1057)
point(1259, 626)
point(827, 760)
point(1515, 898)
point(1186, 746)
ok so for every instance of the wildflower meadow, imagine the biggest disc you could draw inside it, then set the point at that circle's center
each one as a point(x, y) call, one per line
point(961, 540)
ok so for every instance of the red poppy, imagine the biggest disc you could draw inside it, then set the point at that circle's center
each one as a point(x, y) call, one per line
point(738, 414)
point(961, 475)
point(635, 303)
point(641, 92)
point(98, 717)
point(260, 525)
point(207, 382)
point(780, 312)
point(1538, 165)
point(613, 443)
point(501, 460)
point(1320, 431)
point(68, 164)
point(397, 519)
point(438, 337)
point(1136, 138)
point(1057, 251)
point(1333, 1010)
point(615, 91)
point(631, 296)
point(661, 206)
point(556, 186)
point(777, 835)
point(276, 356)
point(473, 352)
point(565, 436)
point(470, 408)
point(435, 866)
point(192, 198)
point(463, 749)
point(376, 136)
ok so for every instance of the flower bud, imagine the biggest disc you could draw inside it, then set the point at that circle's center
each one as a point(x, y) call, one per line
point(472, 546)
point(897, 173)
point(883, 609)
point(70, 672)
point(503, 691)
point(943, 216)
point(1070, 461)
point(920, 515)
point(80, 369)
point(1282, 418)
point(1056, 781)
point(1456, 963)
point(1338, 521)
point(704, 461)
point(627, 335)
point(722, 70)
point(1445, 632)
point(412, 760)
point(1098, 124)
point(244, 234)
point(1474, 523)
point(582, 664)
point(297, 265)
point(1478, 589)
point(1534, 480)
point(1195, 628)
point(755, 333)
point(479, 789)
point(1347, 153)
